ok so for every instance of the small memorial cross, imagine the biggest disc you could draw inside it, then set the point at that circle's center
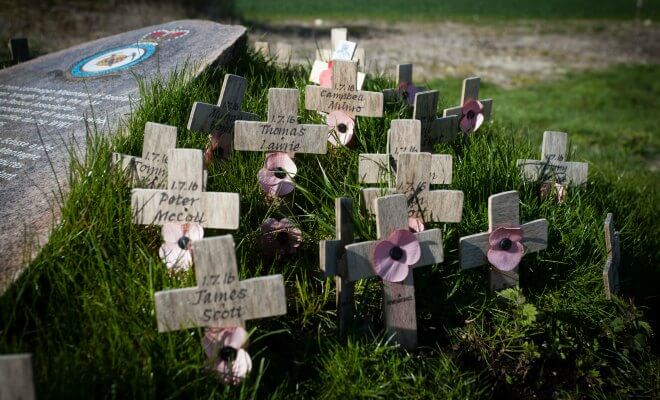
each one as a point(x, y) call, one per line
point(332, 256)
point(398, 297)
point(434, 129)
point(470, 92)
point(613, 263)
point(504, 213)
point(281, 132)
point(220, 298)
point(16, 379)
point(282, 54)
point(344, 94)
point(184, 199)
point(262, 48)
point(404, 78)
point(415, 172)
point(150, 170)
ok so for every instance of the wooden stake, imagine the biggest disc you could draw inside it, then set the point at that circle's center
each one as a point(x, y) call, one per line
point(613, 264)
point(553, 165)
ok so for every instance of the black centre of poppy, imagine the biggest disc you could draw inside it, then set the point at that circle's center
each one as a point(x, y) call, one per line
point(342, 128)
point(396, 253)
point(227, 354)
point(505, 244)
point(470, 114)
point(282, 237)
point(280, 173)
point(183, 242)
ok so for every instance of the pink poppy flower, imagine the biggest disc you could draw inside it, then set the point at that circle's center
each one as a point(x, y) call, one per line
point(394, 255)
point(415, 224)
point(279, 237)
point(341, 125)
point(560, 189)
point(276, 177)
point(225, 348)
point(176, 252)
point(505, 249)
point(473, 116)
point(218, 148)
point(408, 90)
point(325, 79)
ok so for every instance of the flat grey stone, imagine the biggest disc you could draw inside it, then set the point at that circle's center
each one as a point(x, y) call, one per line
point(46, 103)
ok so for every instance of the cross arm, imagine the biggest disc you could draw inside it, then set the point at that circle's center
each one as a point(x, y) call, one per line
point(330, 254)
point(445, 205)
point(458, 110)
point(570, 172)
point(209, 118)
point(265, 297)
point(372, 168)
point(297, 138)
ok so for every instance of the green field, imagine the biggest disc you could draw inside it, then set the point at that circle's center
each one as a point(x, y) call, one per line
point(85, 306)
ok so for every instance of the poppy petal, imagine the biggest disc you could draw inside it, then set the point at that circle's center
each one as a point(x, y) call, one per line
point(171, 232)
point(506, 260)
point(407, 241)
point(195, 231)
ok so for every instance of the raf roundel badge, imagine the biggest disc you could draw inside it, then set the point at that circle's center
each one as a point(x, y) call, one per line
point(113, 60)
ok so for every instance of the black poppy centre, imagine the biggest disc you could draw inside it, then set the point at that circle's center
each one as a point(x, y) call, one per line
point(280, 173)
point(183, 242)
point(227, 354)
point(396, 253)
point(505, 244)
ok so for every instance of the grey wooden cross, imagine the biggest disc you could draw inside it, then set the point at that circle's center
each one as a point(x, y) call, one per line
point(220, 298)
point(333, 261)
point(16, 380)
point(282, 54)
point(470, 92)
point(503, 211)
point(415, 172)
point(398, 298)
point(613, 263)
point(344, 94)
point(404, 75)
point(150, 170)
point(553, 164)
point(434, 129)
point(281, 132)
point(262, 48)
point(184, 199)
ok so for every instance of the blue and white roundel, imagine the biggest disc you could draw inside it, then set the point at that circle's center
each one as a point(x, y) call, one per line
point(113, 60)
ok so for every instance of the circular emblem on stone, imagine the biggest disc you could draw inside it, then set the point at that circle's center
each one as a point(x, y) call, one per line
point(113, 60)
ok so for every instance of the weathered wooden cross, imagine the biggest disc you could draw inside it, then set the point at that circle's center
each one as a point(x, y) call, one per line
point(184, 199)
point(281, 132)
point(220, 298)
point(16, 380)
point(344, 94)
point(470, 92)
point(332, 256)
point(282, 54)
point(553, 164)
point(434, 129)
point(262, 48)
point(150, 170)
point(415, 172)
point(613, 263)
point(404, 76)
point(398, 298)
point(503, 211)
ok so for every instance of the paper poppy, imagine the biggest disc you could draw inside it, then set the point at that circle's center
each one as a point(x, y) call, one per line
point(505, 249)
point(325, 79)
point(472, 116)
point(415, 224)
point(218, 149)
point(394, 255)
point(279, 237)
point(225, 348)
point(176, 251)
point(276, 177)
point(407, 90)
point(341, 128)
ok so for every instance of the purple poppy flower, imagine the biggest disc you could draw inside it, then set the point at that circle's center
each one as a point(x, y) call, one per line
point(505, 249)
point(176, 252)
point(276, 177)
point(394, 255)
point(473, 116)
point(341, 125)
point(225, 348)
point(279, 237)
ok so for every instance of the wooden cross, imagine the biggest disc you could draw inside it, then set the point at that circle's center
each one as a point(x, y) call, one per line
point(333, 261)
point(344, 94)
point(150, 170)
point(415, 172)
point(16, 379)
point(470, 92)
point(613, 263)
point(184, 199)
point(434, 129)
point(553, 164)
point(281, 132)
point(404, 75)
point(282, 55)
point(398, 298)
point(220, 119)
point(503, 211)
point(220, 298)
point(262, 48)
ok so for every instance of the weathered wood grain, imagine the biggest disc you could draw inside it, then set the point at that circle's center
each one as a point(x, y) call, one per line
point(553, 165)
point(16, 378)
point(611, 281)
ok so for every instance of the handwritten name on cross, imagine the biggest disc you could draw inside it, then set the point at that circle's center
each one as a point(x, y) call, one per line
point(470, 91)
point(16, 378)
point(333, 261)
point(434, 129)
point(398, 298)
point(553, 164)
point(503, 211)
point(344, 94)
point(415, 172)
point(613, 263)
point(150, 170)
point(281, 132)
point(184, 199)
point(220, 298)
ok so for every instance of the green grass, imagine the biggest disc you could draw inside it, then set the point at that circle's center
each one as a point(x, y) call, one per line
point(85, 306)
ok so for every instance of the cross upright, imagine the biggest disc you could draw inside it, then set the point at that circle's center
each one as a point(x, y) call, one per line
point(344, 94)
point(404, 76)
point(398, 297)
point(415, 172)
point(220, 298)
point(503, 212)
point(262, 48)
point(470, 91)
point(613, 263)
point(281, 132)
point(16, 377)
point(553, 164)
point(150, 170)
point(184, 199)
point(434, 129)
point(332, 256)
point(344, 51)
